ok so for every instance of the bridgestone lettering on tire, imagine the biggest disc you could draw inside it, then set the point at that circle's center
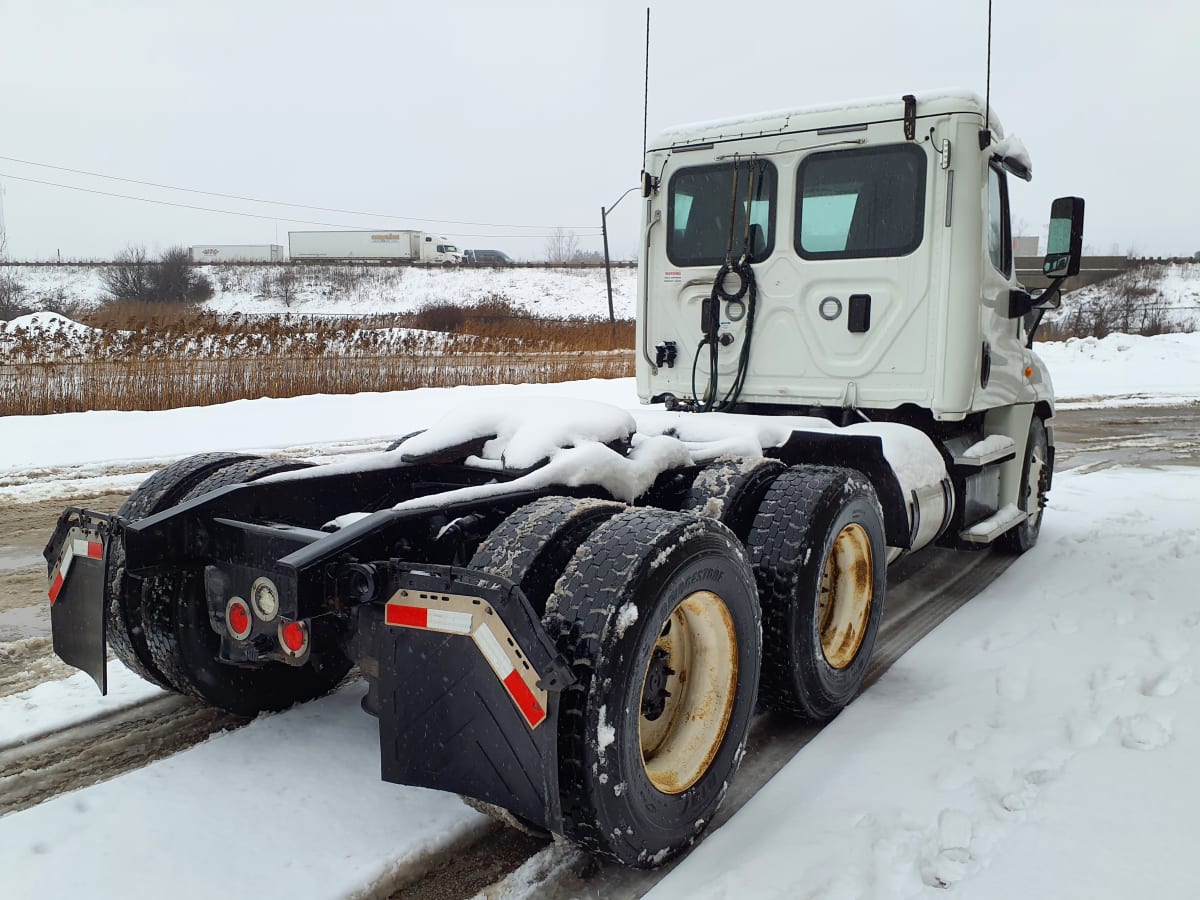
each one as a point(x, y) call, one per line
point(658, 616)
point(817, 549)
point(160, 491)
point(1035, 476)
point(184, 647)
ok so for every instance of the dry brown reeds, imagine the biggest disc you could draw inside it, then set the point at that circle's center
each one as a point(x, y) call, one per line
point(148, 356)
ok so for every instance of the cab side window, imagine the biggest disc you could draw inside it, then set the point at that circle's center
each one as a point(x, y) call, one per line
point(999, 226)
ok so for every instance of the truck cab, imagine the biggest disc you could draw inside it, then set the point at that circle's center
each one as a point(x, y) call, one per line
point(852, 261)
point(438, 250)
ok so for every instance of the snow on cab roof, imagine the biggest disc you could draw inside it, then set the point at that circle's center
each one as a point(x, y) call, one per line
point(825, 115)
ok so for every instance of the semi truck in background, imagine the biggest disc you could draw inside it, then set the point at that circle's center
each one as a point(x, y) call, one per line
point(413, 247)
point(230, 253)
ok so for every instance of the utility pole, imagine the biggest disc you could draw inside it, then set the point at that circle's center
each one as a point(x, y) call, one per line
point(612, 319)
point(3, 229)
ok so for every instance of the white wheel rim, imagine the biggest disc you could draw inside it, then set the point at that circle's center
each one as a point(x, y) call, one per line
point(845, 596)
point(678, 745)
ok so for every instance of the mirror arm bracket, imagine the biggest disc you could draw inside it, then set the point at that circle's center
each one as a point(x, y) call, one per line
point(1054, 288)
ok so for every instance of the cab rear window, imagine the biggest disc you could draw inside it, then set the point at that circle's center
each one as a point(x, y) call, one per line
point(701, 203)
point(861, 203)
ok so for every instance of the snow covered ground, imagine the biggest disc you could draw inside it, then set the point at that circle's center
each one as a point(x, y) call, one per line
point(1041, 742)
point(358, 290)
point(1038, 743)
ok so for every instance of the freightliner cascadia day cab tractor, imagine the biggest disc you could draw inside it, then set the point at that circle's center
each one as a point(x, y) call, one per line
point(568, 614)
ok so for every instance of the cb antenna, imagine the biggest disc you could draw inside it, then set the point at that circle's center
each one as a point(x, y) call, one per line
point(985, 135)
point(646, 89)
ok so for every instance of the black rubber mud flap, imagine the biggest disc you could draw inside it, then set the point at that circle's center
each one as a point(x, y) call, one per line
point(76, 560)
point(469, 689)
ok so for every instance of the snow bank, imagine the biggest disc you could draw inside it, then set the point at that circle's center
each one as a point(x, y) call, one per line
point(1124, 369)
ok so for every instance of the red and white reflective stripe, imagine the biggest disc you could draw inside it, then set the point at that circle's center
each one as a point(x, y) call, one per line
point(452, 622)
point(509, 676)
point(431, 619)
point(75, 547)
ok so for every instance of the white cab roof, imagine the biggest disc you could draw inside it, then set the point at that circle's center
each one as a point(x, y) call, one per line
point(830, 115)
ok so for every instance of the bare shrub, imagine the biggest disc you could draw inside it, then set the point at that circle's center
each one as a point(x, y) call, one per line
point(440, 317)
point(12, 298)
point(278, 285)
point(170, 279)
point(129, 276)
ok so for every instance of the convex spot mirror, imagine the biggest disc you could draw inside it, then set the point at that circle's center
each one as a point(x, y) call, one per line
point(1064, 245)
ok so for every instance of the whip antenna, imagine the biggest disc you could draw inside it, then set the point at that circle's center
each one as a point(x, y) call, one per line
point(646, 89)
point(985, 136)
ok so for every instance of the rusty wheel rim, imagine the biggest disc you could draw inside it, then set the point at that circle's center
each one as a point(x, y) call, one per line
point(687, 692)
point(845, 596)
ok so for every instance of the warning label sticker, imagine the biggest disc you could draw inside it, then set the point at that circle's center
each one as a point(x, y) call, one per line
point(672, 276)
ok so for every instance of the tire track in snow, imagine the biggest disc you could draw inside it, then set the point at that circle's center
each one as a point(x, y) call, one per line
point(103, 748)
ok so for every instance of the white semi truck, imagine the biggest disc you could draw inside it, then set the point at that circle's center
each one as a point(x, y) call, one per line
point(411, 247)
point(568, 614)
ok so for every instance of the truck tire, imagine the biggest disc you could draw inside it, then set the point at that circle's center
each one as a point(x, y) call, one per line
point(1034, 482)
point(730, 490)
point(533, 545)
point(817, 550)
point(160, 491)
point(184, 647)
point(658, 617)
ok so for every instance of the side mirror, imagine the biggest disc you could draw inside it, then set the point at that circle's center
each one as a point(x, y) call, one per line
point(649, 184)
point(1064, 246)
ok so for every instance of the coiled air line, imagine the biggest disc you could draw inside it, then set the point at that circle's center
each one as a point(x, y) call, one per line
point(710, 317)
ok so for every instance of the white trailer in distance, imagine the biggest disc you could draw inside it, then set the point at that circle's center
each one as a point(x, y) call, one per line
point(236, 253)
point(413, 247)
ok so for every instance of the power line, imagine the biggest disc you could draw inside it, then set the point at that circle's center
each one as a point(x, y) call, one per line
point(229, 212)
point(347, 212)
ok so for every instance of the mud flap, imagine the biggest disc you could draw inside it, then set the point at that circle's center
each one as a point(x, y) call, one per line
point(77, 567)
point(469, 690)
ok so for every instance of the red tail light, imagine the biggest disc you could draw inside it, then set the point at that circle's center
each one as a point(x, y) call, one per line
point(293, 637)
point(237, 618)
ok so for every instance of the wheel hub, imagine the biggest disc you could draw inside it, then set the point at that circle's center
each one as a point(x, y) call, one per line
point(688, 690)
point(845, 596)
point(655, 693)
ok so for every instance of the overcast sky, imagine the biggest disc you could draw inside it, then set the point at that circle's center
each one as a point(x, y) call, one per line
point(520, 114)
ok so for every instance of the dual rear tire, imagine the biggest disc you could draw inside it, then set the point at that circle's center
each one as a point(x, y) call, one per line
point(667, 620)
